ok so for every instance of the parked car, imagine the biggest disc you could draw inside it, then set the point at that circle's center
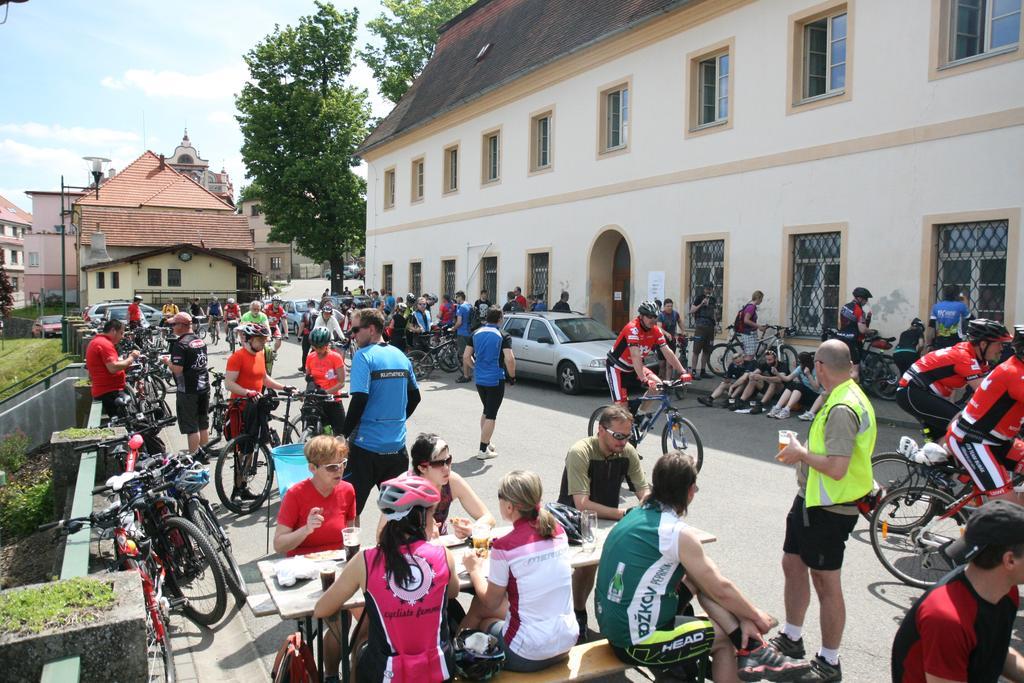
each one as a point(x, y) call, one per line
point(47, 326)
point(293, 311)
point(99, 311)
point(121, 313)
point(566, 348)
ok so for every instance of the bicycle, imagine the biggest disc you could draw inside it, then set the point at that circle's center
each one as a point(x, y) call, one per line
point(443, 354)
point(311, 416)
point(678, 434)
point(878, 373)
point(722, 353)
point(229, 332)
point(214, 327)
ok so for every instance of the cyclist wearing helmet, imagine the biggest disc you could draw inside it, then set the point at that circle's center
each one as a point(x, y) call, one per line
point(231, 311)
point(276, 317)
point(986, 433)
point(947, 319)
point(327, 321)
point(325, 368)
point(215, 311)
point(926, 388)
point(854, 320)
point(624, 367)
point(407, 583)
point(910, 345)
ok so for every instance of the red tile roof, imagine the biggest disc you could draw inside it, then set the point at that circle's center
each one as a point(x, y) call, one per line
point(173, 247)
point(9, 213)
point(143, 228)
point(147, 182)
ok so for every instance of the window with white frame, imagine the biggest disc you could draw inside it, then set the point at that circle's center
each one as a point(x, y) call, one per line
point(540, 141)
point(33, 259)
point(451, 169)
point(389, 188)
point(491, 156)
point(417, 179)
point(980, 27)
point(824, 55)
point(615, 105)
point(275, 263)
point(713, 106)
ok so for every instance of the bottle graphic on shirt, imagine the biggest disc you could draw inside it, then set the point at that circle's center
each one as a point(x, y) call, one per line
point(616, 589)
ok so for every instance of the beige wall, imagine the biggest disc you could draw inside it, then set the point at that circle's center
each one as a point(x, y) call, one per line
point(202, 273)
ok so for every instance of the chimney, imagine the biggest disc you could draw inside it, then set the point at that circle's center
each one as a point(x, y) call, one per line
point(163, 164)
point(98, 248)
point(111, 173)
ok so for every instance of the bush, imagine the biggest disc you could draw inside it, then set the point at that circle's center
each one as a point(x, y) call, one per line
point(23, 507)
point(13, 450)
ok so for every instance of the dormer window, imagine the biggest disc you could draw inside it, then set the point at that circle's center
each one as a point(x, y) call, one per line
point(483, 51)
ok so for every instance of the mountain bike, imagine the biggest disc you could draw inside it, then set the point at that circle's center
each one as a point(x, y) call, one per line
point(722, 353)
point(879, 375)
point(678, 434)
point(311, 415)
point(229, 332)
point(214, 328)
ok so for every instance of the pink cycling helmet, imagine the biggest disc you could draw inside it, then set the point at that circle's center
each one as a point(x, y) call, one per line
point(399, 495)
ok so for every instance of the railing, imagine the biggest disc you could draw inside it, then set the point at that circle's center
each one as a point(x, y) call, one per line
point(76, 550)
point(44, 375)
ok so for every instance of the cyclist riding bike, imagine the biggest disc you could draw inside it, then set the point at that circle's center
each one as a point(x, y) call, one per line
point(854, 322)
point(325, 368)
point(926, 389)
point(276, 320)
point(327, 321)
point(624, 367)
point(215, 312)
point(231, 311)
point(984, 438)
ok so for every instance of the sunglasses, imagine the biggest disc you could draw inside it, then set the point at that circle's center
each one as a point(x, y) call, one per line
point(618, 436)
point(334, 467)
point(447, 462)
point(354, 329)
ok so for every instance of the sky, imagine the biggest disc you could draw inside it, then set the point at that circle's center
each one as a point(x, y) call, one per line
point(118, 77)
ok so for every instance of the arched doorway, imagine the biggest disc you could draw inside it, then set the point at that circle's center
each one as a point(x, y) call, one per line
point(610, 277)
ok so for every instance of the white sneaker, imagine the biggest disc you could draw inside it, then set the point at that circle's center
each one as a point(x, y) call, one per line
point(772, 412)
point(742, 411)
point(782, 414)
point(490, 447)
point(486, 454)
point(807, 417)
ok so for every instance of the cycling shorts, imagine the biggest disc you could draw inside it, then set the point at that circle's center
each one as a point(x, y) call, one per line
point(621, 381)
point(275, 331)
point(690, 640)
point(988, 462)
point(931, 410)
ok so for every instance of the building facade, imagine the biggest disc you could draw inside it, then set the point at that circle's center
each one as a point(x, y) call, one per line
point(186, 160)
point(43, 250)
point(620, 151)
point(275, 260)
point(15, 223)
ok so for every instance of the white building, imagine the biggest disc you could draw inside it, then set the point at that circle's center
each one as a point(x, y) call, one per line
point(15, 223)
point(795, 147)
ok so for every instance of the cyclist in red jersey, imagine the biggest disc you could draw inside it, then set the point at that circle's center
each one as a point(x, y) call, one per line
point(984, 438)
point(926, 388)
point(231, 311)
point(276, 316)
point(624, 366)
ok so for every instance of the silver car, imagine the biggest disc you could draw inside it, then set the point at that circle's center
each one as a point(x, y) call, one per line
point(566, 348)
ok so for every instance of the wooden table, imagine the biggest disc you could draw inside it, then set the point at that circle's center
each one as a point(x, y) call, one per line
point(297, 601)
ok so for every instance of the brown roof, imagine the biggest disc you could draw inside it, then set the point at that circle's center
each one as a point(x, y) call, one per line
point(174, 247)
point(524, 36)
point(150, 182)
point(10, 213)
point(141, 228)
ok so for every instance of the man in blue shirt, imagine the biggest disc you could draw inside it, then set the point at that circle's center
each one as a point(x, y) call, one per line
point(462, 331)
point(948, 318)
point(384, 394)
point(490, 355)
point(389, 302)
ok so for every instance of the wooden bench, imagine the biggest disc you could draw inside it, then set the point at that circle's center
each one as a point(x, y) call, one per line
point(262, 605)
point(586, 661)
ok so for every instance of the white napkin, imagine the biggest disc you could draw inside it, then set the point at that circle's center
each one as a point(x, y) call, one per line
point(290, 570)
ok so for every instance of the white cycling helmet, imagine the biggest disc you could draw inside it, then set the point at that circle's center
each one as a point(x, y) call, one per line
point(230, 300)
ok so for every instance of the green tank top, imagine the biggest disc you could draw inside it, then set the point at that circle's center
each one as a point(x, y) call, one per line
point(637, 578)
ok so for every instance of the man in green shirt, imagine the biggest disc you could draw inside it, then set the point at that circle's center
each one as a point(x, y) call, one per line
point(592, 480)
point(256, 315)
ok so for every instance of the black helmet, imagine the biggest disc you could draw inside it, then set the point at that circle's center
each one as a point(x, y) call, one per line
point(862, 292)
point(1018, 341)
point(475, 666)
point(569, 518)
point(916, 322)
point(983, 329)
point(648, 308)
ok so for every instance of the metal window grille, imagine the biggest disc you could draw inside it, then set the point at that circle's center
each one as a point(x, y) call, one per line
point(387, 279)
point(707, 264)
point(539, 274)
point(415, 278)
point(448, 277)
point(815, 287)
point(489, 276)
point(972, 256)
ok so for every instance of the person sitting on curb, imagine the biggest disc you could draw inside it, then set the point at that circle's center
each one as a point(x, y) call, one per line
point(769, 377)
point(734, 372)
point(802, 388)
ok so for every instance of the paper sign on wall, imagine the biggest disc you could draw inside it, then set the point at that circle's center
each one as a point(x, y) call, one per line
point(617, 296)
point(656, 284)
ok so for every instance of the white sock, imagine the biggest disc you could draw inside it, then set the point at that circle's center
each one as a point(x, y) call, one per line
point(792, 632)
point(830, 656)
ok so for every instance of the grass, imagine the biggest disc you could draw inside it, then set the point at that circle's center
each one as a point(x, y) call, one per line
point(77, 433)
point(55, 605)
point(21, 358)
point(32, 312)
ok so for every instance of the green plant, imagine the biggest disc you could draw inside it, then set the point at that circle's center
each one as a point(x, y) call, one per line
point(24, 506)
point(13, 450)
point(90, 433)
point(54, 605)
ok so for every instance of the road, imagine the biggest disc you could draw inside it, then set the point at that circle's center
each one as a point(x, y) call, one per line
point(743, 499)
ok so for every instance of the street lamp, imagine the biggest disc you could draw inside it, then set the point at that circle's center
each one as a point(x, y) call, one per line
point(96, 169)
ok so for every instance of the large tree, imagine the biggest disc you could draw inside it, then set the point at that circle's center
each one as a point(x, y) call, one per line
point(301, 122)
point(408, 36)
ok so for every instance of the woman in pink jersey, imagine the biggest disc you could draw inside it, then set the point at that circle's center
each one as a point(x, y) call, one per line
point(406, 582)
point(526, 601)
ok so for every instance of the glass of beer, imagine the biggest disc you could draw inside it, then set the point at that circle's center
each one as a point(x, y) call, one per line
point(481, 539)
point(327, 575)
point(350, 537)
point(588, 525)
point(785, 436)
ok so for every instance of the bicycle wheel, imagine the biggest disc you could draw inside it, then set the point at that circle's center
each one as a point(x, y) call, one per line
point(291, 432)
point(721, 356)
point(892, 470)
point(680, 434)
point(908, 535)
point(595, 417)
point(245, 468)
point(159, 652)
point(422, 364)
point(203, 518)
point(448, 358)
point(155, 388)
point(193, 571)
point(788, 355)
point(887, 379)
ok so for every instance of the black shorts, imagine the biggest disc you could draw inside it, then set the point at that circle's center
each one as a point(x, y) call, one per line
point(932, 411)
point(367, 469)
point(491, 397)
point(193, 411)
point(854, 347)
point(109, 402)
point(703, 338)
point(817, 535)
point(686, 641)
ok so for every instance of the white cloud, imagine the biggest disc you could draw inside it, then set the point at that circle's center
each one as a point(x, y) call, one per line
point(212, 85)
point(19, 154)
point(221, 117)
point(75, 134)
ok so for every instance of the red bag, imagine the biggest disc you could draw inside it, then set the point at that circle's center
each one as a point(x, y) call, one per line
point(295, 662)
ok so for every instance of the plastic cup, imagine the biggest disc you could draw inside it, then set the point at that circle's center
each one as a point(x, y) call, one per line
point(350, 538)
point(588, 525)
point(327, 576)
point(784, 438)
point(481, 539)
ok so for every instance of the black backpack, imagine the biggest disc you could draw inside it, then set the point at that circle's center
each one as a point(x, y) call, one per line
point(474, 318)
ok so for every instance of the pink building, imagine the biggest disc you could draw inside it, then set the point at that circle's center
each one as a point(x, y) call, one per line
point(42, 249)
